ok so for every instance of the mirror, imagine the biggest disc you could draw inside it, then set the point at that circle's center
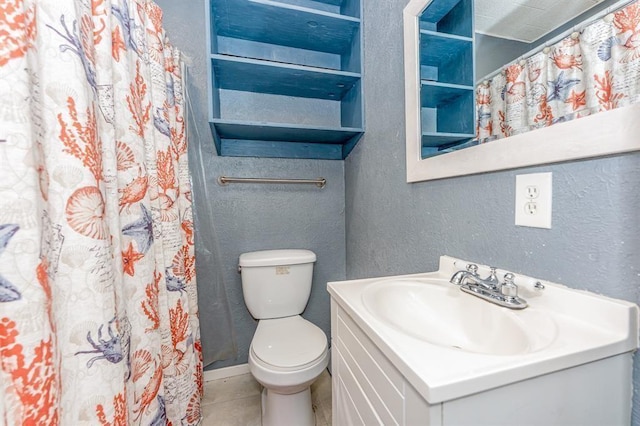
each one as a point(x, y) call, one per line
point(440, 79)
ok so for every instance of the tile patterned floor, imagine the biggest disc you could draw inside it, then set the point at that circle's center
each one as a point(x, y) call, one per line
point(235, 401)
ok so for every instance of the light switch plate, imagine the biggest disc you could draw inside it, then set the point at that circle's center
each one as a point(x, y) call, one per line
point(533, 200)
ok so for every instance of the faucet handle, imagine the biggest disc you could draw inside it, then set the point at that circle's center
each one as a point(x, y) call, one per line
point(509, 289)
point(472, 268)
point(493, 277)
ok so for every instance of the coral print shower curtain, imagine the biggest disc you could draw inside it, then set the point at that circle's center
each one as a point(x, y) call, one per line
point(98, 314)
point(597, 69)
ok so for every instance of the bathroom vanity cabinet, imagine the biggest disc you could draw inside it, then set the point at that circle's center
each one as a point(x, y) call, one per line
point(369, 390)
point(285, 77)
point(416, 350)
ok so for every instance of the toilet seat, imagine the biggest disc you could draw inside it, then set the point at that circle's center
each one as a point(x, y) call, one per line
point(290, 343)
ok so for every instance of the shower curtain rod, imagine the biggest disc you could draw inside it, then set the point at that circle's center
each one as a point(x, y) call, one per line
point(613, 8)
point(224, 180)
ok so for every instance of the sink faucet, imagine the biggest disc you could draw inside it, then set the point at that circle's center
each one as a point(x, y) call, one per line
point(471, 274)
point(490, 289)
point(459, 277)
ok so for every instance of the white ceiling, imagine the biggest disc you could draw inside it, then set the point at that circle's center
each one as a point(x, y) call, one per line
point(526, 20)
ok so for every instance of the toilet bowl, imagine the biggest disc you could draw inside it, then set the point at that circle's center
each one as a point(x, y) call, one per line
point(286, 356)
point(287, 352)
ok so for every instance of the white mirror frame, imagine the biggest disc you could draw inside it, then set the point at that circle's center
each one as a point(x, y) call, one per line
point(605, 133)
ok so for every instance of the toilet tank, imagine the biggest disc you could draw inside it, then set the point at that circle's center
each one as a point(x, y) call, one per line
point(276, 283)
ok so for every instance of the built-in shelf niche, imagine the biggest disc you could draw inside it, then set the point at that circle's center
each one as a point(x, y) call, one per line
point(285, 77)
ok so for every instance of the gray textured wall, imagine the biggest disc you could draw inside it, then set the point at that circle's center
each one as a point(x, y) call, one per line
point(394, 227)
point(256, 217)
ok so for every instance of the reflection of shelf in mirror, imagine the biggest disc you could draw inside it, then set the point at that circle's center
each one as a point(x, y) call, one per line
point(437, 10)
point(283, 24)
point(453, 39)
point(333, 2)
point(252, 75)
point(434, 94)
point(427, 152)
point(443, 58)
point(440, 48)
point(446, 110)
point(437, 139)
point(449, 16)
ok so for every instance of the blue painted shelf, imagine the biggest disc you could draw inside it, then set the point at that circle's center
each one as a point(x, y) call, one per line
point(447, 95)
point(333, 2)
point(437, 140)
point(249, 139)
point(441, 56)
point(280, 60)
point(453, 145)
point(436, 95)
point(449, 17)
point(235, 129)
point(251, 75)
point(299, 27)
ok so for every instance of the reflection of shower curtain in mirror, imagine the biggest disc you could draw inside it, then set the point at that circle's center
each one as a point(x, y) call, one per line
point(597, 69)
point(98, 312)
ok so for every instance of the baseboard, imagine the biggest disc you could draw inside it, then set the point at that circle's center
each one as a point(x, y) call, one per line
point(223, 373)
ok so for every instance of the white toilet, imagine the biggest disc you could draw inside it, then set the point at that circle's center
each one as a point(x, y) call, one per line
point(287, 352)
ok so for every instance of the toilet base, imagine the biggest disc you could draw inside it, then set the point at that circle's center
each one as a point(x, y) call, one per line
point(290, 409)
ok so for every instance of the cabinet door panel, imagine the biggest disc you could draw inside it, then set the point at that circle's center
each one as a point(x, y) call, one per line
point(376, 396)
point(360, 405)
point(374, 378)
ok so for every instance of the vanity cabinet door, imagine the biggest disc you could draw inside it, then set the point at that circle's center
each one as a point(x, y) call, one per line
point(354, 407)
point(367, 387)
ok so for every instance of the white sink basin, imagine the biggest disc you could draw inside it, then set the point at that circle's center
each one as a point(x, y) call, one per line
point(439, 313)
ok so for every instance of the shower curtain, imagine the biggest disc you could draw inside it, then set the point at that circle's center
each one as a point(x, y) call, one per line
point(597, 69)
point(98, 301)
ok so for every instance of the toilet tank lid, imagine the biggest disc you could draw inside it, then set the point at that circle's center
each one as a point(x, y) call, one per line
point(277, 257)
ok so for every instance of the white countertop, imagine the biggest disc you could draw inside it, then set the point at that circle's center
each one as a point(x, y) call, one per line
point(589, 327)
